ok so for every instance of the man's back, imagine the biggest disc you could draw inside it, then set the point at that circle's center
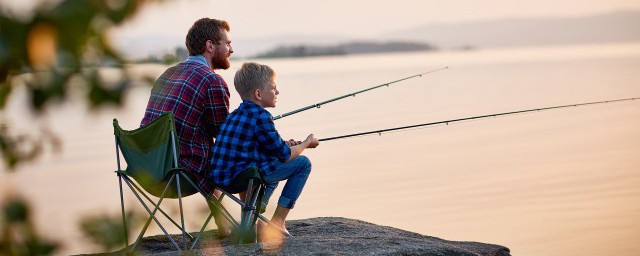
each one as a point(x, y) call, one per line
point(199, 100)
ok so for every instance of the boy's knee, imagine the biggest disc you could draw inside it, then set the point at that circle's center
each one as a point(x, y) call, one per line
point(305, 163)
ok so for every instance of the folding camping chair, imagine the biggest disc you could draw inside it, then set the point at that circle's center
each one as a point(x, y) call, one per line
point(153, 162)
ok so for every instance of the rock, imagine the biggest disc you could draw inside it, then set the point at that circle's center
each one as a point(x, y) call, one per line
point(330, 236)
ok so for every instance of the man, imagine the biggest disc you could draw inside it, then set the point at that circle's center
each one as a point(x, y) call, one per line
point(198, 98)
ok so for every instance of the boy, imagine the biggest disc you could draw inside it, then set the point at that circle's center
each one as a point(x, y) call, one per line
point(248, 138)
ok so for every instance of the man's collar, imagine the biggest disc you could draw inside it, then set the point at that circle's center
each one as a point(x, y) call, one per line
point(198, 59)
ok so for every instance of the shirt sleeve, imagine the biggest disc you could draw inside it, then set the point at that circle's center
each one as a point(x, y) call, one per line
point(216, 104)
point(270, 140)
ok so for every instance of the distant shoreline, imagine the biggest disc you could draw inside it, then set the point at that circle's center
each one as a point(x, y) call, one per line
point(352, 48)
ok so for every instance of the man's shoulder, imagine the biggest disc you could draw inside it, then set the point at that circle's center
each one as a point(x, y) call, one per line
point(197, 71)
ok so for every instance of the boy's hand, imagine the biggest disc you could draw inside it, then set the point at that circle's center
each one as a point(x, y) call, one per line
point(311, 141)
point(293, 142)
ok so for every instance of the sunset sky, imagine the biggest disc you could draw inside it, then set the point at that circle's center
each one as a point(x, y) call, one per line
point(363, 18)
point(164, 24)
point(359, 18)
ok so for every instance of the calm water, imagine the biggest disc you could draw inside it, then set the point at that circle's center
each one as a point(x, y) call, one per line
point(559, 182)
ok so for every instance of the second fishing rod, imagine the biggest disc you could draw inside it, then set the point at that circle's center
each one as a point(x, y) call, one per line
point(447, 122)
point(353, 94)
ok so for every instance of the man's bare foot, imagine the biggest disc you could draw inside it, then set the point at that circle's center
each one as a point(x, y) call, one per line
point(224, 227)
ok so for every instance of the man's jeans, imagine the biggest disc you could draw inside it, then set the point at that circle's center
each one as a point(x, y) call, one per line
point(296, 173)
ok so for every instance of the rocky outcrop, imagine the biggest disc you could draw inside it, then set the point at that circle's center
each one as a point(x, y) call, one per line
point(332, 236)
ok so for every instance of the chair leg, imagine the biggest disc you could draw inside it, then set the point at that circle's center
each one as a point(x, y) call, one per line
point(144, 230)
point(254, 207)
point(262, 217)
point(215, 201)
point(218, 205)
point(152, 214)
point(244, 219)
point(159, 209)
point(193, 245)
point(184, 231)
point(124, 218)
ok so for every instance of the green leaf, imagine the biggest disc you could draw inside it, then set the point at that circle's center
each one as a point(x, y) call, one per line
point(15, 211)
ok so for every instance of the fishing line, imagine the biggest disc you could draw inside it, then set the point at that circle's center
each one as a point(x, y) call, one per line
point(353, 94)
point(447, 122)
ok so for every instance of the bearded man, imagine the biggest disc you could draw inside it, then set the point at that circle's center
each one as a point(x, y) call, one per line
point(198, 98)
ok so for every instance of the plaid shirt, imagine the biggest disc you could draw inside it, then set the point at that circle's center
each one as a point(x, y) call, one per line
point(199, 100)
point(247, 138)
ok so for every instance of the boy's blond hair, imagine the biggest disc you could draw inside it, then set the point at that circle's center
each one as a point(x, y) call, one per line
point(252, 76)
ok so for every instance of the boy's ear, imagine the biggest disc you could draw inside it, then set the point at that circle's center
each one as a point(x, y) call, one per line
point(257, 94)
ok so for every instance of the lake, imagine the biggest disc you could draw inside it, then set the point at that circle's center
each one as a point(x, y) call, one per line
point(561, 182)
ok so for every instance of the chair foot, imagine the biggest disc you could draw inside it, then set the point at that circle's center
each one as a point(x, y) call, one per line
point(244, 236)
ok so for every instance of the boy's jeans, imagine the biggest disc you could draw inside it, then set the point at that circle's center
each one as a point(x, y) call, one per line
point(296, 173)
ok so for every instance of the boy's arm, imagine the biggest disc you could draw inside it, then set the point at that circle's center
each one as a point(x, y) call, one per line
point(269, 140)
point(293, 142)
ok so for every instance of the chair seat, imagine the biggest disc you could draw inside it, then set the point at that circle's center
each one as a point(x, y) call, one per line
point(240, 183)
point(156, 188)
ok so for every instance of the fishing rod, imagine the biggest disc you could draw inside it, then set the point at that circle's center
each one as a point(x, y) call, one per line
point(447, 122)
point(317, 105)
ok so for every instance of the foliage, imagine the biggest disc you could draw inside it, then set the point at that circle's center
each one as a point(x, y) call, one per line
point(59, 48)
point(17, 233)
point(108, 231)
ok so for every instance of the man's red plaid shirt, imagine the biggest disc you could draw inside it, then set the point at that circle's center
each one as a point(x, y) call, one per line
point(199, 100)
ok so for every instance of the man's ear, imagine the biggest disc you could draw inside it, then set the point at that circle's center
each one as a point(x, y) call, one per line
point(210, 46)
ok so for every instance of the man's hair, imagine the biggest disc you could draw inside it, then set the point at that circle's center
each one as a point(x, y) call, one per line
point(252, 76)
point(202, 30)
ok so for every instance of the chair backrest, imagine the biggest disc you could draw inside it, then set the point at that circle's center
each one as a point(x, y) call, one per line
point(152, 154)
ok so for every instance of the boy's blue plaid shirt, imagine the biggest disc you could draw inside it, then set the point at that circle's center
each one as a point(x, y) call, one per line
point(247, 137)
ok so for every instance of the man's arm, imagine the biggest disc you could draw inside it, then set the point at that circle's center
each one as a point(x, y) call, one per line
point(217, 104)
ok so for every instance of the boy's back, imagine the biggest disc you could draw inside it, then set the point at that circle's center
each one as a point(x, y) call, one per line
point(247, 138)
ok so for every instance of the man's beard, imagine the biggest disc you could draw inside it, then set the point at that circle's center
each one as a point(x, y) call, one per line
point(220, 62)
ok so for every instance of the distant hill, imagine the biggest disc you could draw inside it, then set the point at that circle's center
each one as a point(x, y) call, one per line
point(620, 26)
point(517, 32)
point(343, 49)
point(613, 27)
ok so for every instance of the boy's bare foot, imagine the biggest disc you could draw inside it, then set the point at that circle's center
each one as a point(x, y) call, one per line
point(267, 232)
